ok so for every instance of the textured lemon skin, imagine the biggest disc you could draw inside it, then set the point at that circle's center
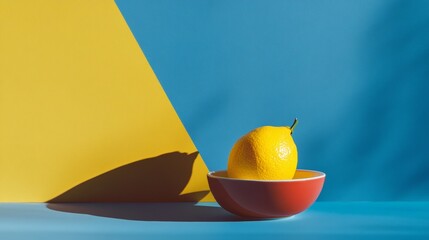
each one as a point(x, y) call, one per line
point(265, 153)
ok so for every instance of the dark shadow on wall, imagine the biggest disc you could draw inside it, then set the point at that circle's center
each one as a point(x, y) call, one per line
point(177, 212)
point(145, 190)
point(157, 179)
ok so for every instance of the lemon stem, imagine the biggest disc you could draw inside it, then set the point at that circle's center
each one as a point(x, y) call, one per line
point(293, 125)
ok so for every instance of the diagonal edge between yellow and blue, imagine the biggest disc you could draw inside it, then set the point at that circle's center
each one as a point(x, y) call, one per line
point(83, 116)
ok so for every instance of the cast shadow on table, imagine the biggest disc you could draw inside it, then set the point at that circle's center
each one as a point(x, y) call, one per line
point(174, 212)
point(129, 192)
point(156, 179)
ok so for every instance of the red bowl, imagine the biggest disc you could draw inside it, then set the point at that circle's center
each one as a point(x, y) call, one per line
point(266, 198)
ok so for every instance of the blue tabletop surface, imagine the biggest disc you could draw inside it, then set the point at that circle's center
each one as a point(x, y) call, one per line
point(324, 220)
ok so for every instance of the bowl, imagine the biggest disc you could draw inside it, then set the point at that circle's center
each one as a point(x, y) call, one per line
point(266, 198)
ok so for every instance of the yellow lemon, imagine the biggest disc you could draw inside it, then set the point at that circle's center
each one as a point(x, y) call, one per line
point(265, 153)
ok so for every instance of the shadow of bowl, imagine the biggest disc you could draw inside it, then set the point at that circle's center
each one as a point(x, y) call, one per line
point(177, 212)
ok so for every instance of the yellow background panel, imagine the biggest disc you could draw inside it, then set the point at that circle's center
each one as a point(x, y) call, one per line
point(78, 99)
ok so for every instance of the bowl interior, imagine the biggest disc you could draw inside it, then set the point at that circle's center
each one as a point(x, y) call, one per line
point(300, 175)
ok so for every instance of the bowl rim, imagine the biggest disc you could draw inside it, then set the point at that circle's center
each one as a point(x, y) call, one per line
point(319, 175)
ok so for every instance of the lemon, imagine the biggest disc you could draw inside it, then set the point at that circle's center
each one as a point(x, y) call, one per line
point(265, 153)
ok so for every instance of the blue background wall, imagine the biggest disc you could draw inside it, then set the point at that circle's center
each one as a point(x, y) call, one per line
point(356, 74)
